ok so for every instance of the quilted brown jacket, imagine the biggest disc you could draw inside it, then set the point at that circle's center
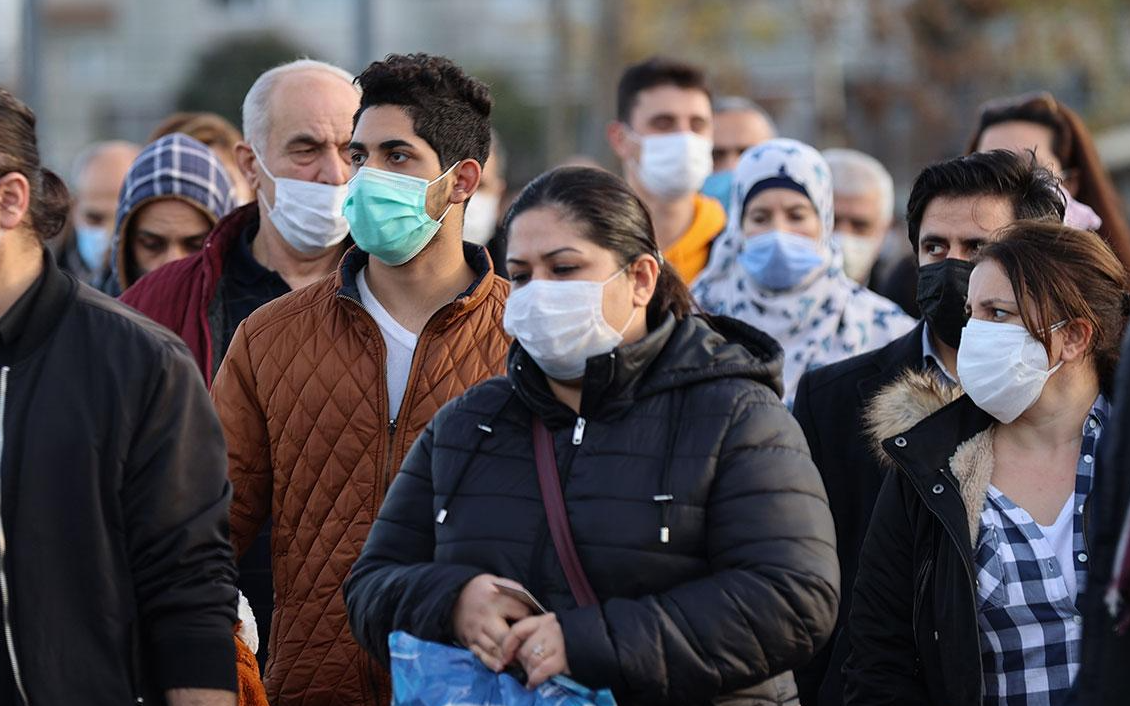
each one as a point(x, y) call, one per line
point(304, 405)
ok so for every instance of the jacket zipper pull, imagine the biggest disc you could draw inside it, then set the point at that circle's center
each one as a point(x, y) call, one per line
point(665, 528)
point(392, 427)
point(579, 431)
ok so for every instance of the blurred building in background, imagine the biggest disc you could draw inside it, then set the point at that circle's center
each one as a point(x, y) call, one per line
point(900, 79)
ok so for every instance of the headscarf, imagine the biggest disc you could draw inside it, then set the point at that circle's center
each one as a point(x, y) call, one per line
point(827, 318)
point(174, 166)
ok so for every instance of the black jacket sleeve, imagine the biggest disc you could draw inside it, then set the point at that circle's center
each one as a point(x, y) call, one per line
point(395, 584)
point(880, 669)
point(769, 602)
point(174, 498)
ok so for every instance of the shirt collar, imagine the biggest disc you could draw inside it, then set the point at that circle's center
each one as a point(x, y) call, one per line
point(1099, 414)
point(242, 263)
point(931, 359)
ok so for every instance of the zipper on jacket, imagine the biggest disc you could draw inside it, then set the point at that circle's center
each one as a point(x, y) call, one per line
point(9, 638)
point(970, 569)
point(579, 431)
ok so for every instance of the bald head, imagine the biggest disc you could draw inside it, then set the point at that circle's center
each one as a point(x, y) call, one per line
point(96, 178)
point(738, 125)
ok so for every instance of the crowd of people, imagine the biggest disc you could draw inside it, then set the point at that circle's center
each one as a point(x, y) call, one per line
point(712, 431)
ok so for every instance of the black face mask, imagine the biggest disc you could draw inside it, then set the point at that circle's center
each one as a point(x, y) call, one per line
point(942, 289)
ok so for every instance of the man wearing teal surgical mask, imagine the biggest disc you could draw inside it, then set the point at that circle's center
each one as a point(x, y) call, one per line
point(324, 390)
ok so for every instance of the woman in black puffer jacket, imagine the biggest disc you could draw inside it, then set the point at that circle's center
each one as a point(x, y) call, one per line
point(698, 517)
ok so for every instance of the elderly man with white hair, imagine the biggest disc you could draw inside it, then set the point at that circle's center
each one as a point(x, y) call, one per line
point(297, 121)
point(864, 204)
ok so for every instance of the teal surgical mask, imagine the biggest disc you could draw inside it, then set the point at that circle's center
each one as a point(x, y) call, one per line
point(387, 214)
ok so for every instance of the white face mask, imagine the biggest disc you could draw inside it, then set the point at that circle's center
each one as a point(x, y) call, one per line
point(561, 324)
point(480, 218)
point(860, 253)
point(306, 214)
point(674, 164)
point(1002, 367)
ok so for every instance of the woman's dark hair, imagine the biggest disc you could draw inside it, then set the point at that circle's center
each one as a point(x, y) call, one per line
point(1075, 150)
point(19, 152)
point(1058, 272)
point(613, 218)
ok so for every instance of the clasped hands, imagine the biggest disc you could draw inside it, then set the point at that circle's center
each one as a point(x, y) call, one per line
point(499, 629)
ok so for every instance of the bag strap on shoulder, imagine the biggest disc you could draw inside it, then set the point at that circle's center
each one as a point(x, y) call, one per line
point(559, 528)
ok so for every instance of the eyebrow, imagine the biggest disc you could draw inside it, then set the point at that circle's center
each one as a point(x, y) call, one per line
point(545, 256)
point(304, 139)
point(383, 146)
point(989, 303)
point(151, 234)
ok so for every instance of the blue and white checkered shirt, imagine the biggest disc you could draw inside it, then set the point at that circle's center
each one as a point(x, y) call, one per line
point(1031, 630)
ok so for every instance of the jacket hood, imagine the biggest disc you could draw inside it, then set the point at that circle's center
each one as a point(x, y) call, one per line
point(674, 354)
point(901, 405)
point(173, 167)
point(704, 349)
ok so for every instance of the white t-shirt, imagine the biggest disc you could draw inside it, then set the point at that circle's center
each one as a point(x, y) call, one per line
point(400, 345)
point(1061, 535)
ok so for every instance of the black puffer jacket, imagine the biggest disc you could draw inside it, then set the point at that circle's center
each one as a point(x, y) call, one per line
point(747, 588)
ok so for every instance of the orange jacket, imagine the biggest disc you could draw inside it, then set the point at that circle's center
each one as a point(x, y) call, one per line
point(303, 400)
point(690, 252)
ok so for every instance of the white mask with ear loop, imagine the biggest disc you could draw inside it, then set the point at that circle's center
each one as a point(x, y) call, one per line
point(561, 324)
point(1002, 367)
point(306, 214)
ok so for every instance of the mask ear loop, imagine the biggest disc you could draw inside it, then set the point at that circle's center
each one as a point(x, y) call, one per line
point(259, 192)
point(1052, 329)
point(634, 308)
point(449, 203)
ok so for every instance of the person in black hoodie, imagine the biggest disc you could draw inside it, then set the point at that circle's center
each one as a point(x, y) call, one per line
point(707, 566)
point(116, 576)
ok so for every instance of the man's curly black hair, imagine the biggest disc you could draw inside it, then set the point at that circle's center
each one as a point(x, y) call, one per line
point(449, 109)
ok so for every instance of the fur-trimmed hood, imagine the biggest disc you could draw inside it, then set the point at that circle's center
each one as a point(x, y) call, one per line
point(901, 405)
point(911, 400)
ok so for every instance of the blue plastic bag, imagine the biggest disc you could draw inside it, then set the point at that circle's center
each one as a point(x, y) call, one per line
point(431, 674)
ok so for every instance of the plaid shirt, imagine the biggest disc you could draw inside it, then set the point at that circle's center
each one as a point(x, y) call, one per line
point(1031, 630)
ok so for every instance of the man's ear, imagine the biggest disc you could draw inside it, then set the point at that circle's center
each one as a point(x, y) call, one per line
point(15, 200)
point(245, 159)
point(467, 177)
point(619, 139)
